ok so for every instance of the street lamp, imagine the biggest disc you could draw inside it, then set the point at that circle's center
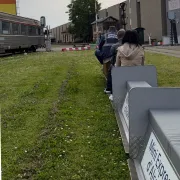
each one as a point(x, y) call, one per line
point(96, 2)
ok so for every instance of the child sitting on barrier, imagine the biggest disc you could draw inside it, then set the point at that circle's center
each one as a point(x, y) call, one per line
point(113, 51)
point(130, 53)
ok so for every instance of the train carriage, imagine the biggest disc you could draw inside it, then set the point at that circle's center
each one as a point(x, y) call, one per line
point(19, 33)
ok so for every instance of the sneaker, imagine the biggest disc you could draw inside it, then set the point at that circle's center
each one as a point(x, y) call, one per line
point(111, 97)
point(107, 91)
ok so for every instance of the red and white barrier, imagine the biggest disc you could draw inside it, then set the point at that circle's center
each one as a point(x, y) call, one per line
point(77, 49)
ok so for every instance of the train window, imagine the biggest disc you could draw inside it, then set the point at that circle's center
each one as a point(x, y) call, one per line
point(15, 28)
point(34, 30)
point(37, 31)
point(40, 31)
point(23, 29)
point(30, 30)
point(5, 27)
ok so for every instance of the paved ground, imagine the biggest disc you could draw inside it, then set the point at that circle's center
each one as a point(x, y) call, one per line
point(166, 50)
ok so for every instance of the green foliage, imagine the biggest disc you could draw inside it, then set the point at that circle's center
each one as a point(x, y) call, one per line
point(82, 14)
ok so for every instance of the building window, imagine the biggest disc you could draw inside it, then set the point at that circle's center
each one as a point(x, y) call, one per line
point(67, 38)
point(15, 29)
point(23, 29)
point(5, 27)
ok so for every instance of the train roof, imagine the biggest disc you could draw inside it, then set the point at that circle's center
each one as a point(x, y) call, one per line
point(19, 19)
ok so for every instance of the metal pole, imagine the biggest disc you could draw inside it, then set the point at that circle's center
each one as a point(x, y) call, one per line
point(96, 16)
point(130, 20)
point(172, 39)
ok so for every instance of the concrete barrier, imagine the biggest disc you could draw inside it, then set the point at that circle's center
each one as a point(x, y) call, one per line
point(149, 122)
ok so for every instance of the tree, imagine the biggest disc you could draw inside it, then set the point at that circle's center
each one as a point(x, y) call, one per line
point(82, 13)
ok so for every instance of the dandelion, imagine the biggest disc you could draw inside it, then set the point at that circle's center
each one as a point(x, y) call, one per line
point(61, 128)
point(25, 151)
point(113, 134)
point(64, 151)
point(82, 156)
point(15, 147)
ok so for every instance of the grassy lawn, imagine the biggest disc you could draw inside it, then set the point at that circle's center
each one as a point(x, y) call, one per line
point(56, 121)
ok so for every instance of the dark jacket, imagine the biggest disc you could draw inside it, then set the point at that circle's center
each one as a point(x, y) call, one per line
point(114, 50)
point(101, 42)
point(110, 39)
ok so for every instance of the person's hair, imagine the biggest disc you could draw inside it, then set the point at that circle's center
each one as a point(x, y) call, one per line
point(131, 37)
point(121, 33)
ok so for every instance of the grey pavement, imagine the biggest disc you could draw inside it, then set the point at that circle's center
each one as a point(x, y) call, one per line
point(166, 50)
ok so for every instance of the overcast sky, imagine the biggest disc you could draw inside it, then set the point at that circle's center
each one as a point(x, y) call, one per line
point(54, 10)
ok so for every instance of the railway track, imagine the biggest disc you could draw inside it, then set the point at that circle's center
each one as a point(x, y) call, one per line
point(14, 54)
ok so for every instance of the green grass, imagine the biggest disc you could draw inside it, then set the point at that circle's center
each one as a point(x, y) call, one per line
point(168, 69)
point(56, 121)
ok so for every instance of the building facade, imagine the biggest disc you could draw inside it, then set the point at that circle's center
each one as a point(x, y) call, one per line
point(149, 14)
point(61, 34)
point(173, 6)
point(103, 25)
point(8, 6)
point(116, 12)
point(112, 16)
